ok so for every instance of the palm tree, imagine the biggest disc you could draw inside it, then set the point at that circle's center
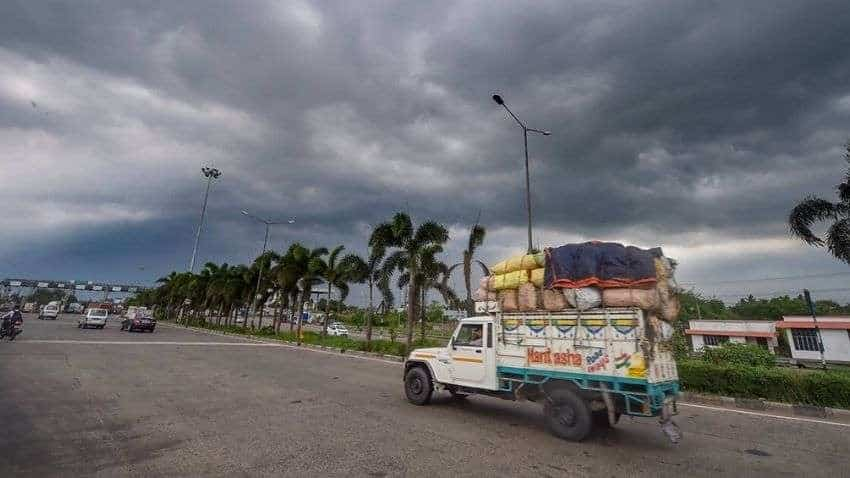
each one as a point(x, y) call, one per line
point(376, 276)
point(260, 268)
point(814, 209)
point(415, 253)
point(308, 267)
point(436, 276)
point(338, 273)
point(476, 238)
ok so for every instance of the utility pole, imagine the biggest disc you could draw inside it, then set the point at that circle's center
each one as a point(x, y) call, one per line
point(257, 294)
point(210, 174)
point(811, 306)
point(525, 129)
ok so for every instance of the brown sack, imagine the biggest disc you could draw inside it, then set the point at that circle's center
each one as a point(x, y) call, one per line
point(527, 297)
point(646, 299)
point(554, 300)
point(665, 287)
point(484, 283)
point(508, 300)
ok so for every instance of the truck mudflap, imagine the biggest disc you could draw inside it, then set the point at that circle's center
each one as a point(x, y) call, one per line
point(668, 426)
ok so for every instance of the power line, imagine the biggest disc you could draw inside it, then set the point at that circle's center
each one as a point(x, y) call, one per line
point(763, 279)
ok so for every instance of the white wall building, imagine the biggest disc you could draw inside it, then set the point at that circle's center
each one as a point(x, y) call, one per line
point(711, 333)
point(802, 337)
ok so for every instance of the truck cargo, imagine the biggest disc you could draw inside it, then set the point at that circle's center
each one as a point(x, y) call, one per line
point(590, 346)
point(586, 367)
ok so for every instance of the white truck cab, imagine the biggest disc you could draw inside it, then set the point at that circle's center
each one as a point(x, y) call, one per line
point(586, 367)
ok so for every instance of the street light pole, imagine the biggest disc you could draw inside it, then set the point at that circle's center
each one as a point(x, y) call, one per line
point(525, 129)
point(210, 174)
point(268, 224)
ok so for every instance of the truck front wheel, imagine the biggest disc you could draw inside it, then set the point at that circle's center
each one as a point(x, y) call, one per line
point(418, 386)
point(568, 416)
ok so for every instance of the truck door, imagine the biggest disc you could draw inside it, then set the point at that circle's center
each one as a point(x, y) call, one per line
point(468, 355)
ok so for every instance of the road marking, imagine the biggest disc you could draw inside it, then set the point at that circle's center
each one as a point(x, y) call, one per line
point(146, 342)
point(769, 415)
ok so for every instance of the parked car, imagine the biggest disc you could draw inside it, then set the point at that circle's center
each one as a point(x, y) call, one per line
point(94, 317)
point(50, 311)
point(337, 330)
point(138, 320)
point(74, 308)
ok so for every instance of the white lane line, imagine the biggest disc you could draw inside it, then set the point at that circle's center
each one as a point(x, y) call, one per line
point(769, 415)
point(146, 342)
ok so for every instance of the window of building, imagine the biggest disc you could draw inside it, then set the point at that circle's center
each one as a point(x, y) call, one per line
point(805, 339)
point(714, 339)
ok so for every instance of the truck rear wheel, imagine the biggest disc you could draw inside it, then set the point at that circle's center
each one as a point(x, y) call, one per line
point(417, 386)
point(568, 416)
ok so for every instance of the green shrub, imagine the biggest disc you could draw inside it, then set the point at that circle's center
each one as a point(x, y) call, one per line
point(739, 354)
point(827, 389)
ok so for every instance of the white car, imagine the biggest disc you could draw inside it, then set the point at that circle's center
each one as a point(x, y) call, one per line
point(50, 311)
point(337, 330)
point(93, 317)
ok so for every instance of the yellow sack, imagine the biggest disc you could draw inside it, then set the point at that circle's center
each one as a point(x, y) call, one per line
point(524, 262)
point(511, 280)
point(540, 259)
point(499, 268)
point(537, 276)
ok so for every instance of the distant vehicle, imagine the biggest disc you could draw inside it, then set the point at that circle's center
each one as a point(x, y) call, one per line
point(30, 307)
point(139, 320)
point(337, 330)
point(74, 308)
point(101, 305)
point(93, 317)
point(50, 311)
point(10, 329)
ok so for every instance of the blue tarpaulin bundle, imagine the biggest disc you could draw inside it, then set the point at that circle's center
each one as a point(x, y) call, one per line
point(600, 264)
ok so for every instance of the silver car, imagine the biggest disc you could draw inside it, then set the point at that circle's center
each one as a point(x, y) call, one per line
point(93, 318)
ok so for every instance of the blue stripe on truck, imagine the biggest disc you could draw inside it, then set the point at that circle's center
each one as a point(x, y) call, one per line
point(654, 393)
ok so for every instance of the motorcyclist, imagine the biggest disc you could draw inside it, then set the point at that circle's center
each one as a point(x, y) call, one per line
point(12, 317)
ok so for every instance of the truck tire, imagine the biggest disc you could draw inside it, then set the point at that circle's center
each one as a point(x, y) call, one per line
point(568, 416)
point(417, 386)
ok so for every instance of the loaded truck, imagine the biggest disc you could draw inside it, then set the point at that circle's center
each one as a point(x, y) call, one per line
point(586, 367)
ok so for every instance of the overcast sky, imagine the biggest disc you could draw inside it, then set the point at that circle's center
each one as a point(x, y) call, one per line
point(693, 125)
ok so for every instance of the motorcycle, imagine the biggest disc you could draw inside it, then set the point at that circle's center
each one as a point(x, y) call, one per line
point(11, 329)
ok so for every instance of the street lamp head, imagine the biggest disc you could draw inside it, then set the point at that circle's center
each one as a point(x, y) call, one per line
point(245, 212)
point(547, 133)
point(211, 172)
point(498, 99)
point(291, 221)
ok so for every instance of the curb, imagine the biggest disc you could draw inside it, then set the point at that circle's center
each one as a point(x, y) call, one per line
point(762, 405)
point(360, 353)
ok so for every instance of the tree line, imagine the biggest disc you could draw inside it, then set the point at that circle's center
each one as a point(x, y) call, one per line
point(398, 251)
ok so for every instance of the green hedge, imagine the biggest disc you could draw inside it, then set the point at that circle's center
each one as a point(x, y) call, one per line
point(829, 389)
point(384, 347)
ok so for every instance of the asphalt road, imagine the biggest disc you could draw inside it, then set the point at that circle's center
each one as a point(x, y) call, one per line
point(182, 403)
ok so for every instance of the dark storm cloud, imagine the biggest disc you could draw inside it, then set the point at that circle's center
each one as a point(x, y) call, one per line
point(686, 124)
